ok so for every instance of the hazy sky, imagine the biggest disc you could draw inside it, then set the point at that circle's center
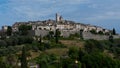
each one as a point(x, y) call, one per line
point(105, 13)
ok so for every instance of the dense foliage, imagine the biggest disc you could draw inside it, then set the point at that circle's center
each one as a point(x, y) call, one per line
point(93, 54)
point(23, 29)
point(24, 58)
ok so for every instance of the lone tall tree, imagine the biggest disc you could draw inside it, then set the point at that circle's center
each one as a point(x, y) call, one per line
point(23, 58)
point(9, 31)
point(81, 34)
point(57, 35)
point(114, 31)
point(40, 40)
point(111, 38)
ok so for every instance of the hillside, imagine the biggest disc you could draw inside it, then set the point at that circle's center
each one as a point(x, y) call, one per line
point(54, 51)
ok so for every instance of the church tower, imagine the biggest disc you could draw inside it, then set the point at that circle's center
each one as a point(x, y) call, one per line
point(57, 17)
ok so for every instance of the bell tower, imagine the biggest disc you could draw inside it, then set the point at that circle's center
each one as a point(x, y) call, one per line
point(57, 17)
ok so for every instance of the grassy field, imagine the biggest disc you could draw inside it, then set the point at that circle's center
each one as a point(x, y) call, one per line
point(59, 51)
point(71, 43)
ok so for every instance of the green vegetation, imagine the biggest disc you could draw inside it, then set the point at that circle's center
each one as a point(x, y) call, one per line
point(93, 31)
point(93, 46)
point(57, 35)
point(54, 51)
point(98, 60)
point(111, 38)
point(24, 29)
point(81, 34)
point(114, 31)
point(24, 59)
point(9, 31)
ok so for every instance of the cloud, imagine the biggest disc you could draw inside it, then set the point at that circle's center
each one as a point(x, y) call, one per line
point(93, 6)
point(77, 10)
point(40, 8)
point(73, 2)
point(110, 15)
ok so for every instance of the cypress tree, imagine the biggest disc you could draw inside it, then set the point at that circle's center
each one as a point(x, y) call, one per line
point(23, 58)
point(81, 34)
point(56, 36)
point(40, 40)
point(111, 38)
point(114, 32)
point(9, 31)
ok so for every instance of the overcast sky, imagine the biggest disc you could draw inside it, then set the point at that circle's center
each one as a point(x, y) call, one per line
point(105, 13)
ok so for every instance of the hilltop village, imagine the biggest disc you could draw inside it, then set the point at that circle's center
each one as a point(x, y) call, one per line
point(42, 28)
point(58, 43)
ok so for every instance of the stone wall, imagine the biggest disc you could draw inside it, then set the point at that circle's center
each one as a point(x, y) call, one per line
point(41, 32)
point(38, 33)
point(88, 35)
point(67, 33)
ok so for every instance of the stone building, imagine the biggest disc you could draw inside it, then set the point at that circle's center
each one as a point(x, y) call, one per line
point(4, 28)
point(66, 27)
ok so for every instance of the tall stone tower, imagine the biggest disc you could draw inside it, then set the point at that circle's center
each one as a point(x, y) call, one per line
point(57, 17)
